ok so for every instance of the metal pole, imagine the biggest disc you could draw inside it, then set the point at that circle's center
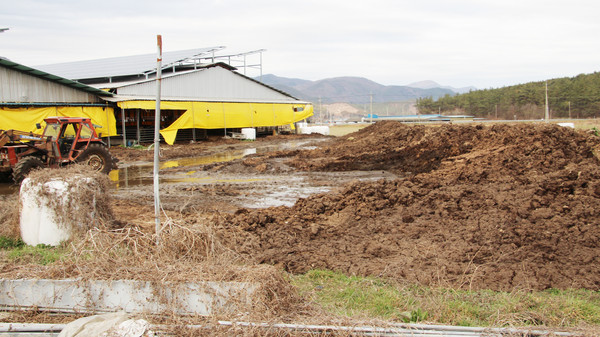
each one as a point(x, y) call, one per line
point(547, 115)
point(157, 139)
point(194, 123)
point(137, 126)
point(371, 103)
point(320, 110)
point(371, 107)
point(224, 119)
point(261, 65)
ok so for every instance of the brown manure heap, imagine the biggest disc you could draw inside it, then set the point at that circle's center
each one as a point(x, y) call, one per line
point(482, 207)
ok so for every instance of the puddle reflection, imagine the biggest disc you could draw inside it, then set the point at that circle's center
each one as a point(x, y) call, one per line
point(203, 160)
point(141, 175)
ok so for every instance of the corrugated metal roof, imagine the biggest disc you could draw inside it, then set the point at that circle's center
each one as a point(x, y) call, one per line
point(122, 66)
point(51, 77)
point(217, 82)
point(119, 84)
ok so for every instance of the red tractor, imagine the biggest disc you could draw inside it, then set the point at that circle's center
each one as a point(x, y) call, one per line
point(65, 140)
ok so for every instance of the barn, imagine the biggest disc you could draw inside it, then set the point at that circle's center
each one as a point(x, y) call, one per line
point(29, 95)
point(197, 95)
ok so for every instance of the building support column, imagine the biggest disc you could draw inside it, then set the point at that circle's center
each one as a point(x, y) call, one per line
point(137, 120)
point(123, 126)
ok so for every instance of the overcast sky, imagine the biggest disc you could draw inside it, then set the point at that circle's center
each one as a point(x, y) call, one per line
point(459, 43)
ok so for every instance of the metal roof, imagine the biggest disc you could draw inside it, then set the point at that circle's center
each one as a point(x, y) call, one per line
point(214, 82)
point(120, 84)
point(123, 66)
point(53, 78)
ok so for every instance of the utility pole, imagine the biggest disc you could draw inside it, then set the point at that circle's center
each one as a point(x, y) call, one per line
point(569, 109)
point(320, 110)
point(371, 106)
point(547, 114)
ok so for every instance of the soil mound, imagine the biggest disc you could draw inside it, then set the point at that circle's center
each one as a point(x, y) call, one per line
point(493, 207)
point(395, 146)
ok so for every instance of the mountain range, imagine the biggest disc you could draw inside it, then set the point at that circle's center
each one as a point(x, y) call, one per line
point(357, 90)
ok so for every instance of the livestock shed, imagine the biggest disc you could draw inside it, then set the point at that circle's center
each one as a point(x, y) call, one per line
point(196, 93)
point(29, 95)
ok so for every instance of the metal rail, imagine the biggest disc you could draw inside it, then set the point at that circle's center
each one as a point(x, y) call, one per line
point(398, 330)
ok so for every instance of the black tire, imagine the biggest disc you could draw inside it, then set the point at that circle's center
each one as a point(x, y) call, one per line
point(24, 166)
point(5, 177)
point(98, 157)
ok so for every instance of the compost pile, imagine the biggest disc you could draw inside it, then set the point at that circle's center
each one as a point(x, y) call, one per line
point(482, 207)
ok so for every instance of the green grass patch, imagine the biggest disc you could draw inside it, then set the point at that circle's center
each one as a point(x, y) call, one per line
point(10, 243)
point(41, 254)
point(369, 297)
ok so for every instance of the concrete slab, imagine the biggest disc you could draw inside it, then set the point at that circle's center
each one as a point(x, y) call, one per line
point(74, 295)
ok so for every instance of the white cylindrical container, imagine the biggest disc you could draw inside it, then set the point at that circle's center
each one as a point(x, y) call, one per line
point(44, 207)
point(38, 221)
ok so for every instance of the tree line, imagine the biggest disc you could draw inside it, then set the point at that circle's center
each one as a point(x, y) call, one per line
point(568, 97)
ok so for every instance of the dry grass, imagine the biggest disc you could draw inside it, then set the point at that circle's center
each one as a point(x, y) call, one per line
point(344, 129)
point(107, 249)
point(190, 252)
point(9, 217)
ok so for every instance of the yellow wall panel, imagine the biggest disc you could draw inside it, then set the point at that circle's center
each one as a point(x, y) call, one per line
point(219, 115)
point(24, 119)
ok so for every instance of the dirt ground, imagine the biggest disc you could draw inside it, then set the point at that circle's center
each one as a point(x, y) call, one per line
point(499, 207)
point(481, 207)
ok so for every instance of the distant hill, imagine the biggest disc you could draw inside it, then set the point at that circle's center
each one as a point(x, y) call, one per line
point(428, 84)
point(355, 90)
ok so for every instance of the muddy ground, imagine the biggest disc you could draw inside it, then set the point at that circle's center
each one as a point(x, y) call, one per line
point(482, 207)
point(224, 175)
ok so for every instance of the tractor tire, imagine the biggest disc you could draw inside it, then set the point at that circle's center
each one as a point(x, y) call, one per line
point(97, 157)
point(24, 166)
point(6, 177)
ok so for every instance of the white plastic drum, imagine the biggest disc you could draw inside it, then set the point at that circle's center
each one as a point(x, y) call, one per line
point(39, 222)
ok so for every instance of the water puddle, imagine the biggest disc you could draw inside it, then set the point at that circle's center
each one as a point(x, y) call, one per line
point(283, 195)
point(137, 175)
point(141, 175)
point(203, 160)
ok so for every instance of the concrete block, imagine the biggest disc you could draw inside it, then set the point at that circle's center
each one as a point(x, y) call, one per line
point(96, 296)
